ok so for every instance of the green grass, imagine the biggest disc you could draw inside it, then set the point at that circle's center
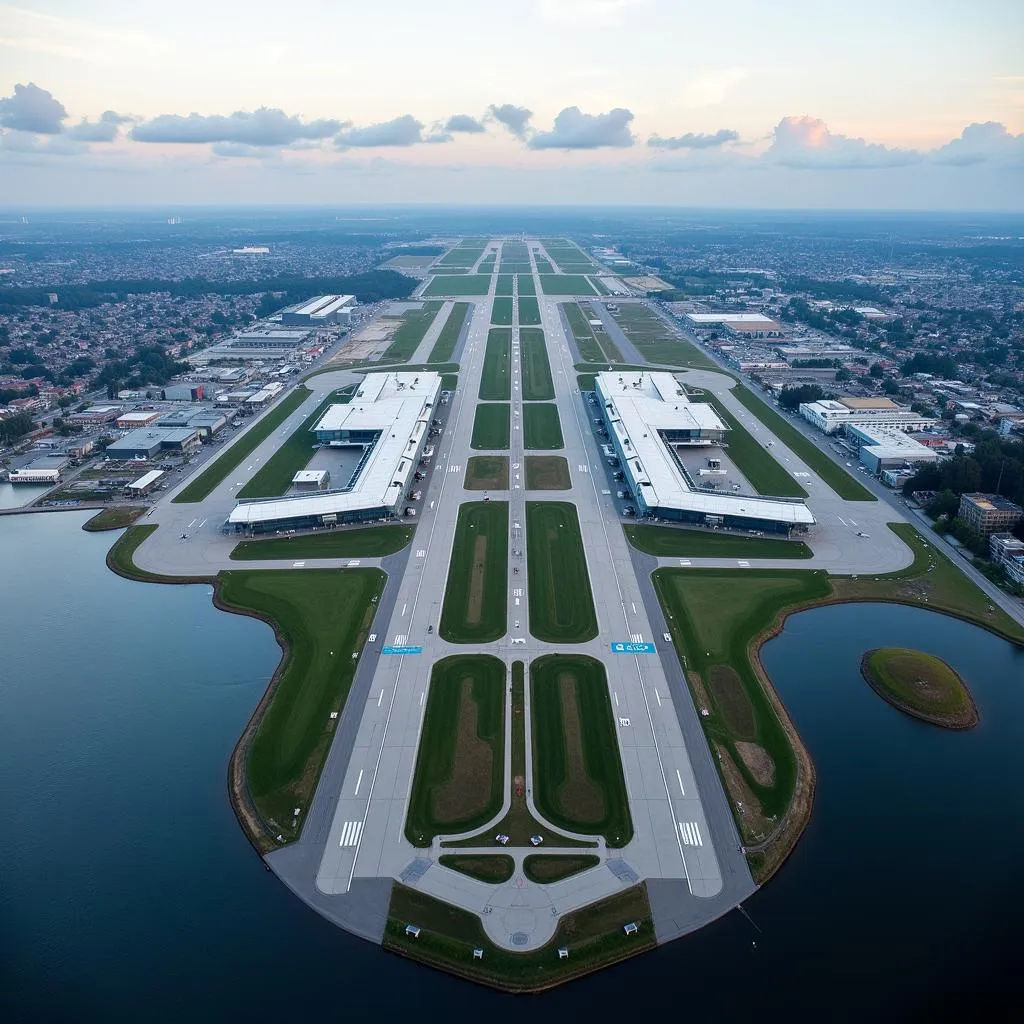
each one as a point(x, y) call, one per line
point(526, 286)
point(501, 312)
point(274, 477)
point(449, 381)
point(611, 350)
point(496, 379)
point(462, 256)
point(656, 341)
point(547, 473)
point(566, 284)
point(487, 473)
point(541, 427)
point(529, 311)
point(561, 602)
point(833, 474)
point(493, 868)
point(585, 381)
point(460, 766)
point(322, 618)
point(544, 266)
point(368, 541)
point(533, 360)
point(204, 484)
point(114, 518)
point(448, 935)
point(415, 324)
point(458, 284)
point(475, 595)
point(672, 542)
point(583, 334)
point(578, 781)
point(920, 684)
point(505, 285)
point(491, 430)
point(553, 867)
point(121, 556)
point(449, 336)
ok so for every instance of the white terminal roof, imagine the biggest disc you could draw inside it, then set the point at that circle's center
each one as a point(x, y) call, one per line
point(146, 479)
point(323, 305)
point(400, 406)
point(729, 318)
point(641, 404)
point(310, 476)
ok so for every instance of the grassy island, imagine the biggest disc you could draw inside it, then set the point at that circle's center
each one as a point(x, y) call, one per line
point(920, 685)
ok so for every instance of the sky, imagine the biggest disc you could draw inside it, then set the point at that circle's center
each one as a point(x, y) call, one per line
point(903, 104)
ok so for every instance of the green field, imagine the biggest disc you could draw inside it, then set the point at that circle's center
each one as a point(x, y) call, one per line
point(583, 334)
point(449, 336)
point(505, 285)
point(831, 472)
point(448, 936)
point(529, 312)
point(407, 338)
point(672, 542)
point(494, 868)
point(117, 517)
point(566, 284)
point(496, 379)
point(458, 284)
point(920, 685)
point(203, 485)
point(526, 286)
point(475, 595)
point(501, 312)
point(546, 868)
point(460, 768)
point(462, 256)
point(274, 477)
point(547, 473)
point(611, 350)
point(368, 541)
point(542, 430)
point(753, 459)
point(487, 473)
point(656, 341)
point(561, 602)
point(516, 267)
point(533, 360)
point(578, 782)
point(322, 618)
point(491, 430)
point(544, 266)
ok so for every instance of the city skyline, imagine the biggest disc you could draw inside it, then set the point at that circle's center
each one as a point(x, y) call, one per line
point(573, 101)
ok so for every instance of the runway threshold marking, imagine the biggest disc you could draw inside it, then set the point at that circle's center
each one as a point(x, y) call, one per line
point(350, 833)
point(690, 833)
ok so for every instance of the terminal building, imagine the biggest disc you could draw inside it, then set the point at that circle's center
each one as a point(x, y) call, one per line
point(388, 420)
point(323, 311)
point(648, 416)
point(832, 415)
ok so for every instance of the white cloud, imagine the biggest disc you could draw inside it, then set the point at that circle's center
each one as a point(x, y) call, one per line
point(988, 143)
point(268, 126)
point(400, 131)
point(31, 109)
point(695, 140)
point(575, 130)
point(806, 143)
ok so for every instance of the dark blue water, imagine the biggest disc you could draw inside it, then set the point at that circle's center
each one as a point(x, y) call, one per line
point(127, 891)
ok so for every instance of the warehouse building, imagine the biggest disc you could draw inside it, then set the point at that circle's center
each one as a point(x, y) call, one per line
point(882, 449)
point(206, 422)
point(647, 416)
point(134, 420)
point(740, 325)
point(96, 414)
point(832, 415)
point(388, 421)
point(150, 441)
point(145, 484)
point(323, 311)
point(261, 343)
point(183, 393)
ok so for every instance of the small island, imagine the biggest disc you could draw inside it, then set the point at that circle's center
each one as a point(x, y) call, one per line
point(921, 685)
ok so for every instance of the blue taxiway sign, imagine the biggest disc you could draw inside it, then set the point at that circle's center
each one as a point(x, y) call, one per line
point(630, 648)
point(401, 650)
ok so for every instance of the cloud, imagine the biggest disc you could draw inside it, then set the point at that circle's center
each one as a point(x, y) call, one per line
point(712, 88)
point(463, 123)
point(695, 140)
point(400, 131)
point(103, 130)
point(268, 126)
point(439, 136)
point(806, 143)
point(32, 109)
point(23, 143)
point(577, 12)
point(982, 143)
point(575, 130)
point(515, 119)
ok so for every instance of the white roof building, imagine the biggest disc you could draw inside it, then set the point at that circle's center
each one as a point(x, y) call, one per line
point(729, 318)
point(830, 415)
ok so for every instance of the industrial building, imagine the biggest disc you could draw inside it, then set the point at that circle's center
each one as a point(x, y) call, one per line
point(96, 414)
point(832, 415)
point(146, 483)
point(881, 448)
point(261, 343)
point(150, 441)
point(323, 311)
point(647, 416)
point(989, 513)
point(33, 475)
point(183, 393)
point(741, 325)
point(207, 422)
point(388, 420)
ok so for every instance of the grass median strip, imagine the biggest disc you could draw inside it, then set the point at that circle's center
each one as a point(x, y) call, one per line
point(487, 473)
point(578, 780)
point(444, 347)
point(493, 868)
point(542, 429)
point(533, 360)
point(368, 541)
point(460, 767)
point(445, 285)
point(205, 483)
point(501, 312)
point(414, 326)
point(566, 284)
point(496, 379)
point(526, 287)
point(491, 428)
point(672, 542)
point(505, 285)
point(475, 594)
point(547, 473)
point(529, 311)
point(656, 341)
point(560, 598)
point(553, 867)
point(583, 334)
